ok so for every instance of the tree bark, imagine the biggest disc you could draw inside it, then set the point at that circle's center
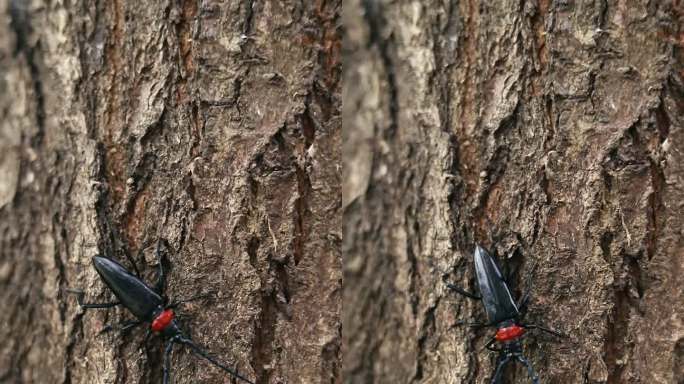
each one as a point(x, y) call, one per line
point(212, 125)
point(551, 132)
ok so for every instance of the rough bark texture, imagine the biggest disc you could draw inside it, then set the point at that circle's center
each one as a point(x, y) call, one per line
point(214, 125)
point(552, 132)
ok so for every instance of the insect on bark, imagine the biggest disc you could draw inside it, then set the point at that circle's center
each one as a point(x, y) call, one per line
point(503, 313)
point(150, 306)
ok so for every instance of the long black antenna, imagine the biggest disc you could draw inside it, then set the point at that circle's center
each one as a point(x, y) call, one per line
point(198, 351)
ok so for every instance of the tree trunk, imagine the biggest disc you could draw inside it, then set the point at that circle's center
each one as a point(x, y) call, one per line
point(212, 125)
point(550, 132)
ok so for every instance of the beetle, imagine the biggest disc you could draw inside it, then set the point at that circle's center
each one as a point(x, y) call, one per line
point(148, 305)
point(502, 312)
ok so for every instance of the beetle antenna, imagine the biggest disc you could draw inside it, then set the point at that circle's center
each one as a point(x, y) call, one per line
point(544, 329)
point(200, 352)
point(502, 360)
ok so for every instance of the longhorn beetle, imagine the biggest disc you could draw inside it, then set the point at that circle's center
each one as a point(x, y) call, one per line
point(502, 313)
point(149, 305)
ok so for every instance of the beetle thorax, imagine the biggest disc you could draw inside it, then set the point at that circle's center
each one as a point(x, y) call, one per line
point(162, 320)
point(510, 332)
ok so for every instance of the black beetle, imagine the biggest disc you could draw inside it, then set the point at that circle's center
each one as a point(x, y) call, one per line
point(502, 312)
point(149, 305)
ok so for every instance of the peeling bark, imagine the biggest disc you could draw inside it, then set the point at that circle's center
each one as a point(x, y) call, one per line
point(550, 132)
point(213, 125)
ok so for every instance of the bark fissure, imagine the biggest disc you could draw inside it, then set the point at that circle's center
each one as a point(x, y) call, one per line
point(467, 107)
point(379, 37)
point(185, 35)
point(20, 22)
point(301, 213)
point(264, 338)
point(248, 18)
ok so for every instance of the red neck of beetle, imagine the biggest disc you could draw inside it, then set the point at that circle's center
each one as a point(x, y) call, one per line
point(509, 333)
point(162, 320)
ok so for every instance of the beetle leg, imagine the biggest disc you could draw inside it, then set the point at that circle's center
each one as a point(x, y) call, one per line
point(129, 325)
point(201, 353)
point(462, 292)
point(99, 306)
point(530, 370)
point(489, 345)
point(167, 360)
point(499, 369)
point(473, 324)
point(544, 329)
point(123, 327)
point(522, 303)
point(79, 299)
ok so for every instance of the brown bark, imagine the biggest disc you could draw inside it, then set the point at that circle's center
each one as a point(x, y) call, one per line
point(551, 132)
point(213, 125)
